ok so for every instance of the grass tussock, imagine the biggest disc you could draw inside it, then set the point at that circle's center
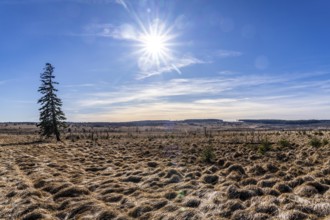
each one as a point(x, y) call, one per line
point(71, 192)
point(231, 175)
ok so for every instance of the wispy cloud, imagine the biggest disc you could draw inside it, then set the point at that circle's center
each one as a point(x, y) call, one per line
point(154, 91)
point(216, 101)
point(122, 32)
point(175, 65)
point(228, 53)
point(254, 109)
point(129, 32)
point(228, 97)
point(122, 2)
point(227, 72)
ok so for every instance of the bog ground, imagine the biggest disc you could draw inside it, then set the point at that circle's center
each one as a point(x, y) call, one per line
point(134, 176)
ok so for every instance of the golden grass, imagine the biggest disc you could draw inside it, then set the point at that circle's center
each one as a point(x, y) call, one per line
point(164, 178)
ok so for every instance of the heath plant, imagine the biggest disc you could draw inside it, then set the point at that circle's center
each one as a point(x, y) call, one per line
point(315, 142)
point(284, 143)
point(208, 154)
point(264, 146)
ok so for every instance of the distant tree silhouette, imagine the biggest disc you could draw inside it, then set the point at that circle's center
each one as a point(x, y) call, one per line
point(52, 118)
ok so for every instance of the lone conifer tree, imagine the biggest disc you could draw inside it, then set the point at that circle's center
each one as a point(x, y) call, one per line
point(52, 118)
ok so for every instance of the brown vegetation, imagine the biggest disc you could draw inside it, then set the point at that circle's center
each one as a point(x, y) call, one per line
point(165, 177)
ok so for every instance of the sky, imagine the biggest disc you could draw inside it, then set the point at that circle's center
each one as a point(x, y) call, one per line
point(121, 60)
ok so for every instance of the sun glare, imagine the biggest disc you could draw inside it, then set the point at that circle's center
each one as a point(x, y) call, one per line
point(155, 45)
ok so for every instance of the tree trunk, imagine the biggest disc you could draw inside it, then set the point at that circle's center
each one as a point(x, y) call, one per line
point(58, 136)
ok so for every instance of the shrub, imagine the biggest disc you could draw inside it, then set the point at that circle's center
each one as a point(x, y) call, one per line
point(284, 143)
point(315, 142)
point(208, 154)
point(320, 133)
point(264, 146)
point(181, 194)
point(325, 142)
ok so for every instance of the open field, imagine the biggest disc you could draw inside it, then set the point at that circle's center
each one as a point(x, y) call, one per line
point(141, 175)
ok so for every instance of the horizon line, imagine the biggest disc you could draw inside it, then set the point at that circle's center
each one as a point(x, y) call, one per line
point(181, 120)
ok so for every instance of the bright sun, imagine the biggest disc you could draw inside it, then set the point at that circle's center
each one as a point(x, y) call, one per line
point(155, 45)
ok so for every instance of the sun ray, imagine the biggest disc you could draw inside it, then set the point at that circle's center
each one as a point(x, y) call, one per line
point(155, 45)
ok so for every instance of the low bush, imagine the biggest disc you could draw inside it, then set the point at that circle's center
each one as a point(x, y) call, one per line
point(208, 154)
point(325, 142)
point(264, 146)
point(284, 143)
point(315, 142)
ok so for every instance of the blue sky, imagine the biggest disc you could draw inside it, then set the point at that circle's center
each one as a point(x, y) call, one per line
point(217, 58)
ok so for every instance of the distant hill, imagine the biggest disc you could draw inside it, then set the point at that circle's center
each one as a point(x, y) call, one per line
point(256, 123)
point(283, 122)
point(151, 123)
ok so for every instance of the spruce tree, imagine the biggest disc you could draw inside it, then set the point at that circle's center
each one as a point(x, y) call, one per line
point(52, 118)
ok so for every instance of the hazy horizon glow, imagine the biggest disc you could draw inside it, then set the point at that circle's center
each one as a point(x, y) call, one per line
point(125, 60)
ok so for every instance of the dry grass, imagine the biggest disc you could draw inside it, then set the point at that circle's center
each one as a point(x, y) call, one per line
point(164, 178)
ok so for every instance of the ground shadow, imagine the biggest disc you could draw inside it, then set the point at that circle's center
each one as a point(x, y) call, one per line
point(22, 143)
